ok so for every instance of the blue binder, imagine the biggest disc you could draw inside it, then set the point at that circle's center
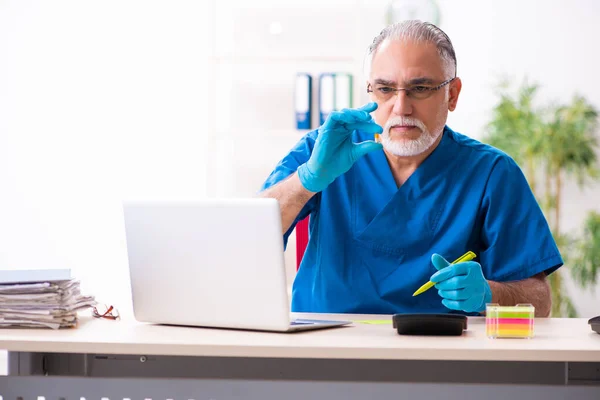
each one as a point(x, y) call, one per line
point(326, 95)
point(335, 93)
point(343, 91)
point(303, 103)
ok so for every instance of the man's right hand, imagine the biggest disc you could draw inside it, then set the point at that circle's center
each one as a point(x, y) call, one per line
point(334, 152)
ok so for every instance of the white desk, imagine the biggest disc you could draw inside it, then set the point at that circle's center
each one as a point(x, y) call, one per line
point(117, 359)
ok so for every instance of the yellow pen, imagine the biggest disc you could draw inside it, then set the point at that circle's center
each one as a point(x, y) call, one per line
point(468, 256)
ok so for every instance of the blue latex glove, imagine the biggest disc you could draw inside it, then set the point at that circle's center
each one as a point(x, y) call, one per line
point(462, 286)
point(334, 152)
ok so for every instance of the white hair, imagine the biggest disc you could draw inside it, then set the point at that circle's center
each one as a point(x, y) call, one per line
point(417, 31)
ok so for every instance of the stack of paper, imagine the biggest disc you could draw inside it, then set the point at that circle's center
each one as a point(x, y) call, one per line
point(42, 304)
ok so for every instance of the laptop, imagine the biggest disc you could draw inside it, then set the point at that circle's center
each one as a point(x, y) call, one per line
point(211, 263)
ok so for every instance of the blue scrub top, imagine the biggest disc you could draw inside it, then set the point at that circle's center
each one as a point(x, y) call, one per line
point(371, 242)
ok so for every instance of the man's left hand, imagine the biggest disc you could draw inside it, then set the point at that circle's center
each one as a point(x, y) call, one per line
point(462, 286)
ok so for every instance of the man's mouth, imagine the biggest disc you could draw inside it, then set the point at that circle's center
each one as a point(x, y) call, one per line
point(402, 128)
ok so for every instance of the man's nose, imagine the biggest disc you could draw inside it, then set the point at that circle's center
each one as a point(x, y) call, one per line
point(402, 104)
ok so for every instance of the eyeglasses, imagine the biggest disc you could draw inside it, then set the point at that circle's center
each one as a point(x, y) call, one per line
point(384, 93)
point(105, 311)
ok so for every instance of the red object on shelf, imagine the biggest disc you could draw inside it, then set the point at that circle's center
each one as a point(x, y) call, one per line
point(301, 240)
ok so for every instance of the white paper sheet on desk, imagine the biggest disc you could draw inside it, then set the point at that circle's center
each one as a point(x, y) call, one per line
point(36, 284)
point(73, 304)
point(42, 305)
point(25, 288)
point(39, 287)
point(42, 293)
point(33, 324)
point(32, 296)
point(48, 310)
point(68, 317)
point(55, 321)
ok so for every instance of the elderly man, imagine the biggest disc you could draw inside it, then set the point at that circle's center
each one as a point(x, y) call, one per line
point(385, 217)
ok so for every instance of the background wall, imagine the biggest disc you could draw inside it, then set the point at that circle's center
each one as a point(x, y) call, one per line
point(101, 101)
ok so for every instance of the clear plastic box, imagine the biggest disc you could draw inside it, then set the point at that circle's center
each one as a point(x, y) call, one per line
point(509, 321)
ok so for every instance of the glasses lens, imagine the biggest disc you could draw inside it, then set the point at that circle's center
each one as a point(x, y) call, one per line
point(100, 309)
point(383, 93)
point(420, 93)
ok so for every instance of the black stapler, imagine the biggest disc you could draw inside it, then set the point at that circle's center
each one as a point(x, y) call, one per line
point(595, 323)
point(430, 324)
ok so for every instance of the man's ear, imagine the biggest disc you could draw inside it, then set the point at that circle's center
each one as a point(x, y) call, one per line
point(454, 92)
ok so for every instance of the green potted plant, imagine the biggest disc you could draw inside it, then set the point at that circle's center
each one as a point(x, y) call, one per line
point(552, 144)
